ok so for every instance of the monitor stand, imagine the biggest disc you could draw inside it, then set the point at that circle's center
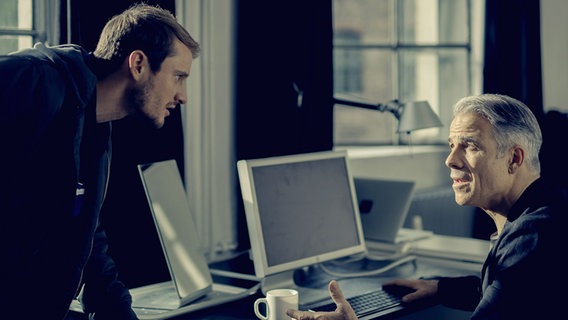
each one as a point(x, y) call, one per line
point(285, 280)
point(282, 280)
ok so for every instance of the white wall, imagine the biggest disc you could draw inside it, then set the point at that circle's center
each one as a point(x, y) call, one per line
point(554, 54)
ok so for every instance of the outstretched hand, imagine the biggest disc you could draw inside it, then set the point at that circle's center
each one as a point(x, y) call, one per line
point(342, 312)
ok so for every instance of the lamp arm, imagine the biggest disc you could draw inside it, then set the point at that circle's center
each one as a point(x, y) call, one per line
point(392, 106)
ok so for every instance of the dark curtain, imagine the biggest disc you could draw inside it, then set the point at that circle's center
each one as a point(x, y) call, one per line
point(282, 46)
point(512, 51)
point(134, 242)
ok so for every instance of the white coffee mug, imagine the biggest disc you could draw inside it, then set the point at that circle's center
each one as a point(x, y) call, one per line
point(277, 301)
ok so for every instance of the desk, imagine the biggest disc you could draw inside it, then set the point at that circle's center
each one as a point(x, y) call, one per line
point(444, 248)
point(314, 278)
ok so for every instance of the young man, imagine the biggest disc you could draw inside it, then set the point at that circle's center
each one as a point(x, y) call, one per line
point(494, 164)
point(56, 109)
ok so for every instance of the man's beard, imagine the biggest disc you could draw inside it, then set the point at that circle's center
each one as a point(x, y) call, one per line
point(137, 99)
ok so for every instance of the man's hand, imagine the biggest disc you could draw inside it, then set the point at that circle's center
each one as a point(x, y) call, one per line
point(342, 312)
point(416, 290)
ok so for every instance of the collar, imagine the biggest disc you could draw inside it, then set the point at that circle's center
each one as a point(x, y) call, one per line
point(534, 196)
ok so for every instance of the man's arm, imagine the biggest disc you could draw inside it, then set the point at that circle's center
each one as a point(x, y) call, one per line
point(103, 293)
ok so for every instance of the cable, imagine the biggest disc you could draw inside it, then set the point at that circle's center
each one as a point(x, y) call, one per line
point(392, 265)
point(404, 251)
point(348, 260)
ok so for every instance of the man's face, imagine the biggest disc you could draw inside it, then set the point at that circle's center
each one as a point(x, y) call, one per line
point(479, 178)
point(165, 89)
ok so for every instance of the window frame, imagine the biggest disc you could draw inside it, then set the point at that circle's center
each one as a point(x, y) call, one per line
point(45, 23)
point(471, 49)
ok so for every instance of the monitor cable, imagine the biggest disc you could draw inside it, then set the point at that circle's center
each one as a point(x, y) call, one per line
point(390, 266)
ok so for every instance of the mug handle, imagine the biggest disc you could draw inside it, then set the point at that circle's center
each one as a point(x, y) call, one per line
point(257, 311)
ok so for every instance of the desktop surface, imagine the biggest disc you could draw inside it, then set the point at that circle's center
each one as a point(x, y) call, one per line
point(314, 280)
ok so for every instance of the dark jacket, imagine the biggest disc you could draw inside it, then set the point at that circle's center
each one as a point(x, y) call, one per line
point(523, 276)
point(55, 161)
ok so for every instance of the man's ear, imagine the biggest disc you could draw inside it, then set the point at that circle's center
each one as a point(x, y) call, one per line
point(138, 64)
point(517, 159)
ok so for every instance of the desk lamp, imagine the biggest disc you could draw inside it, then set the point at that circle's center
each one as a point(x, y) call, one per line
point(411, 116)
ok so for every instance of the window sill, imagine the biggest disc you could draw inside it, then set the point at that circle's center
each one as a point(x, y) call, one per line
point(362, 152)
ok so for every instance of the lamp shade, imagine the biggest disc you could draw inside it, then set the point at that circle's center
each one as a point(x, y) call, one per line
point(417, 115)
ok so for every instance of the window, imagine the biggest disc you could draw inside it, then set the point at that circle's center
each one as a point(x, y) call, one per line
point(408, 50)
point(25, 22)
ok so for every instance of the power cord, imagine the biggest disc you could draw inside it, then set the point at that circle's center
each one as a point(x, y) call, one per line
point(402, 252)
point(392, 265)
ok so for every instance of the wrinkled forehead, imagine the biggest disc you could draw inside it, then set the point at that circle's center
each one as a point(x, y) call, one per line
point(468, 121)
point(470, 125)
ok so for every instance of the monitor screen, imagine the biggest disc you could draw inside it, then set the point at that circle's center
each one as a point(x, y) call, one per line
point(300, 210)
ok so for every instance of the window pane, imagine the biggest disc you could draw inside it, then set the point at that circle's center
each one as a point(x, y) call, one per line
point(363, 74)
point(15, 17)
point(433, 21)
point(439, 76)
point(409, 50)
point(424, 75)
point(8, 16)
point(16, 14)
point(371, 20)
point(14, 43)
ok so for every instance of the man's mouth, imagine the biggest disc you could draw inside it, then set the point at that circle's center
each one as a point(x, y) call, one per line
point(168, 108)
point(460, 180)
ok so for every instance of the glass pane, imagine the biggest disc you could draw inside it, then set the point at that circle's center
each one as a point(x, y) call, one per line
point(439, 76)
point(16, 14)
point(363, 74)
point(373, 64)
point(14, 43)
point(433, 22)
point(369, 21)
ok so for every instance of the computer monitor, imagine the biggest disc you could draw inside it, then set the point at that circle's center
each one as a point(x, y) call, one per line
point(301, 210)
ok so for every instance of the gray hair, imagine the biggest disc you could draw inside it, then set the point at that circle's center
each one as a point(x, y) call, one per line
point(512, 121)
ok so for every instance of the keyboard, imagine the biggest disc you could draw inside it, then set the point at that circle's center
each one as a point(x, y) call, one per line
point(367, 303)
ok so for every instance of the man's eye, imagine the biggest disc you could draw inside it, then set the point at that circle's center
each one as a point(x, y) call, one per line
point(472, 146)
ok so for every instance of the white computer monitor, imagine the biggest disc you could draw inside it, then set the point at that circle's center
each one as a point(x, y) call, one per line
point(301, 210)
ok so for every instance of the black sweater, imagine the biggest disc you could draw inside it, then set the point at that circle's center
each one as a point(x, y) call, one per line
point(524, 275)
point(55, 162)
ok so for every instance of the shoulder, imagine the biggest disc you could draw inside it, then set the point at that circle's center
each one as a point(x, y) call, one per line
point(26, 78)
point(28, 66)
point(529, 238)
point(23, 64)
point(57, 72)
point(63, 59)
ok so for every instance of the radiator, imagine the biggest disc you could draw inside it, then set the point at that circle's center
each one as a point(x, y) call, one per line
point(436, 210)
